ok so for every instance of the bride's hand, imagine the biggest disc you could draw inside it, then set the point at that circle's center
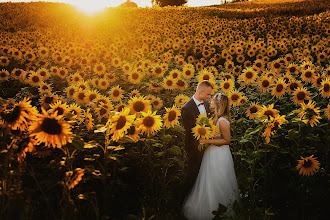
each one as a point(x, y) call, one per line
point(202, 142)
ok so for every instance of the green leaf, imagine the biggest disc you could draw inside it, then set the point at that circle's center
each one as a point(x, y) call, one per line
point(100, 128)
point(175, 150)
point(293, 134)
point(78, 142)
point(115, 148)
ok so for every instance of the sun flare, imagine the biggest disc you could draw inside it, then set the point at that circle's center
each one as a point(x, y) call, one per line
point(90, 7)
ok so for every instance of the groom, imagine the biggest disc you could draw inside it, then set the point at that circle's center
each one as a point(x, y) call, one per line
point(189, 112)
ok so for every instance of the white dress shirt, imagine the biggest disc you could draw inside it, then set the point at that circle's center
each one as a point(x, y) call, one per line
point(201, 108)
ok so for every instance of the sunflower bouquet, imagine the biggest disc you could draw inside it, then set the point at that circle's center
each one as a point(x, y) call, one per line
point(204, 129)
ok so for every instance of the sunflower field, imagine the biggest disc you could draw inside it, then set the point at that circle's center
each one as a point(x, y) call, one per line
point(90, 107)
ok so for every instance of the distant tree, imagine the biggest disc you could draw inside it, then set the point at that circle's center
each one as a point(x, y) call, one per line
point(163, 3)
point(128, 3)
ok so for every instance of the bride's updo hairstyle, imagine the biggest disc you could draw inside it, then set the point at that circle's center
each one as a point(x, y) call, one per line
point(222, 107)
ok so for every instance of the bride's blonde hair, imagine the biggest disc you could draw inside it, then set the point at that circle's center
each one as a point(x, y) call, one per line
point(222, 107)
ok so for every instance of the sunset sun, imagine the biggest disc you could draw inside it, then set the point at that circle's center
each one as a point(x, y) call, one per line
point(90, 7)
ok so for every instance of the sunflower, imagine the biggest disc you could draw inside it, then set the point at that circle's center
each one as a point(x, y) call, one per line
point(47, 99)
point(43, 52)
point(175, 74)
point(234, 97)
point(248, 75)
point(120, 107)
point(19, 116)
point(70, 91)
point(35, 79)
point(116, 93)
point(126, 67)
point(317, 81)
point(134, 133)
point(169, 83)
point(16, 73)
point(308, 75)
point(103, 84)
point(99, 68)
point(240, 58)
point(58, 107)
point(103, 111)
point(272, 125)
point(325, 87)
point(171, 116)
point(205, 75)
point(157, 103)
point(155, 86)
point(135, 93)
point(293, 85)
point(188, 72)
point(119, 124)
point(258, 65)
point(51, 130)
point(308, 165)
point(44, 88)
point(101, 100)
point(268, 111)
point(201, 132)
point(327, 111)
point(265, 83)
point(181, 84)
point(227, 85)
point(76, 111)
point(252, 111)
point(4, 74)
point(307, 65)
point(243, 100)
point(80, 96)
point(309, 113)
point(139, 104)
point(293, 69)
point(134, 77)
point(300, 95)
point(279, 88)
point(180, 100)
point(43, 73)
point(158, 71)
point(149, 123)
point(4, 61)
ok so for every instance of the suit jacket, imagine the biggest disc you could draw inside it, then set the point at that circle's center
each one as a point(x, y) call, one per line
point(189, 114)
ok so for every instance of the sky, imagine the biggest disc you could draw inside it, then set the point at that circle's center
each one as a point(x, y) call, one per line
point(115, 3)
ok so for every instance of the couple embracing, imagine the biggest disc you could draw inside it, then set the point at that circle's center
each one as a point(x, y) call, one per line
point(210, 177)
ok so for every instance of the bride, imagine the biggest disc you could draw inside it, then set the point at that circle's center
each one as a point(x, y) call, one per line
point(216, 181)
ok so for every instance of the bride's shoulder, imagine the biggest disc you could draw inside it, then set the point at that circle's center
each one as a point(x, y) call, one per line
point(223, 119)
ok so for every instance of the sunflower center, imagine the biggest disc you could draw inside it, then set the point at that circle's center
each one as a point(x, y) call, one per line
point(265, 83)
point(3, 74)
point(62, 72)
point(35, 79)
point(103, 111)
point(235, 97)
point(292, 69)
point(180, 83)
point(277, 65)
point(18, 73)
point(43, 73)
point(249, 75)
point(158, 70)
point(188, 72)
point(307, 163)
point(71, 91)
point(116, 93)
point(149, 121)
point(301, 95)
point(201, 131)
point(138, 106)
point(175, 75)
point(326, 88)
point(49, 99)
point(81, 96)
point(171, 116)
point(135, 76)
point(258, 65)
point(279, 88)
point(206, 77)
point(253, 109)
point(91, 97)
point(121, 122)
point(169, 82)
point(59, 110)
point(226, 86)
point(14, 115)
point(99, 68)
point(308, 74)
point(293, 86)
point(51, 126)
point(131, 130)
point(269, 113)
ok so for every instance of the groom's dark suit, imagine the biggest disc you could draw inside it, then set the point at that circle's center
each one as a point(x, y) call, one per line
point(189, 113)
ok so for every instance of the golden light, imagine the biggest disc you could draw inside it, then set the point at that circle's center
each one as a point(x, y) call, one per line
point(89, 7)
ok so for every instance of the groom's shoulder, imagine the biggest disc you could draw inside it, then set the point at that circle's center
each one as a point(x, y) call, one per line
point(187, 104)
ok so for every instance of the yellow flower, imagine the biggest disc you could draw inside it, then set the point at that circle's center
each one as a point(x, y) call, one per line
point(139, 104)
point(116, 93)
point(309, 113)
point(272, 125)
point(119, 124)
point(51, 130)
point(252, 111)
point(171, 117)
point(201, 132)
point(149, 123)
point(308, 165)
point(268, 111)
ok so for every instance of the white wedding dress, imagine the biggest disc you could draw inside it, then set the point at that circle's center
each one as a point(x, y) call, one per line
point(216, 183)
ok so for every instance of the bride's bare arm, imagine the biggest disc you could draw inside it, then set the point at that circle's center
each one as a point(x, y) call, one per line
point(225, 133)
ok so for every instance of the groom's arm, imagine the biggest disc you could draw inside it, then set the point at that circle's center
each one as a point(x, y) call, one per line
point(187, 119)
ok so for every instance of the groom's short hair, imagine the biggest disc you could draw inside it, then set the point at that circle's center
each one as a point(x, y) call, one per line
point(204, 84)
